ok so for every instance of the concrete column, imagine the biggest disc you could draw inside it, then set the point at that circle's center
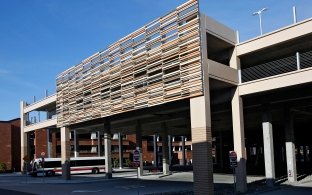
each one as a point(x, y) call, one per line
point(99, 147)
point(49, 143)
point(120, 151)
point(65, 152)
point(165, 156)
point(170, 149)
point(138, 139)
point(24, 143)
point(183, 150)
point(108, 150)
point(268, 148)
point(221, 150)
point(76, 144)
point(239, 141)
point(202, 145)
point(290, 148)
point(155, 150)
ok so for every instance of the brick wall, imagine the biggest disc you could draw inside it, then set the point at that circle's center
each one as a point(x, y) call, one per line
point(10, 146)
point(5, 146)
point(16, 147)
point(41, 142)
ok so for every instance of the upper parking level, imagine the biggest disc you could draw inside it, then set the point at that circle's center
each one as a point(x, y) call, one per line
point(45, 104)
point(285, 50)
point(39, 114)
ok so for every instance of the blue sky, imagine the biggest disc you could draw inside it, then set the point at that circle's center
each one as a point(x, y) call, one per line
point(41, 38)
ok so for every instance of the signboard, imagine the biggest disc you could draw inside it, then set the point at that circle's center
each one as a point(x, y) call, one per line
point(233, 159)
point(136, 157)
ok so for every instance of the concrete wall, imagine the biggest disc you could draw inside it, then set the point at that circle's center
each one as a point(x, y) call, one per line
point(282, 35)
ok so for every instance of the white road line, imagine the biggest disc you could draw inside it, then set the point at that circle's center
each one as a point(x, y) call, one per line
point(86, 191)
point(128, 187)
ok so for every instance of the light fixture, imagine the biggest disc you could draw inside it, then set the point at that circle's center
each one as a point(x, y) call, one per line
point(260, 18)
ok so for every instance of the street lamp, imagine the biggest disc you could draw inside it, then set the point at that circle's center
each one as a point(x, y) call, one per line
point(259, 13)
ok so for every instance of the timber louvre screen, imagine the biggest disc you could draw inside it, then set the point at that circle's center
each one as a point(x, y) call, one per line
point(158, 63)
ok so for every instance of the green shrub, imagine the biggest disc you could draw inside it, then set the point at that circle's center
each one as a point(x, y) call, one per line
point(116, 162)
point(128, 162)
point(3, 166)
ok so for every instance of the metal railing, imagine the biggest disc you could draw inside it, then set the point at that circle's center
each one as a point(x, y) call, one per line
point(306, 59)
point(288, 64)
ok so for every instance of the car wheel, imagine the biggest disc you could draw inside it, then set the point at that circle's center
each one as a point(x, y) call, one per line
point(50, 173)
point(95, 171)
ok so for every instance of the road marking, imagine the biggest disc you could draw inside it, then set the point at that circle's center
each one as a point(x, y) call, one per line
point(86, 191)
point(128, 187)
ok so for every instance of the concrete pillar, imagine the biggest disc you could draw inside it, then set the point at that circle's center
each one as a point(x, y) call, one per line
point(138, 139)
point(239, 141)
point(290, 147)
point(202, 145)
point(65, 152)
point(183, 150)
point(24, 143)
point(268, 148)
point(76, 144)
point(155, 150)
point(170, 149)
point(49, 143)
point(120, 151)
point(221, 162)
point(99, 147)
point(165, 156)
point(108, 150)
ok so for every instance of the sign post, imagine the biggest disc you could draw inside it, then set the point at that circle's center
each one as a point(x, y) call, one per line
point(233, 165)
point(136, 161)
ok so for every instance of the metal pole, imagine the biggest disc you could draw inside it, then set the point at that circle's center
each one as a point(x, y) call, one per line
point(298, 60)
point(138, 183)
point(237, 37)
point(234, 183)
point(155, 150)
point(260, 23)
point(120, 151)
point(294, 14)
point(170, 149)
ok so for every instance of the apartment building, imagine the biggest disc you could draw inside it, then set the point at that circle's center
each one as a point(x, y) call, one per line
point(185, 74)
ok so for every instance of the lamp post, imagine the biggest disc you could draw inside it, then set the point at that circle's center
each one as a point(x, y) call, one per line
point(260, 19)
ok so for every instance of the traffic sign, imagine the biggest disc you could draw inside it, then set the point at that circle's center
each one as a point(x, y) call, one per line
point(136, 156)
point(42, 154)
point(233, 159)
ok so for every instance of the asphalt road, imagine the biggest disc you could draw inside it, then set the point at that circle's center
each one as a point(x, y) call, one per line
point(118, 186)
point(127, 183)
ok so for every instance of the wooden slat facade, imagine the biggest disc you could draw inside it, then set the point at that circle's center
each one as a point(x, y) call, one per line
point(158, 63)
